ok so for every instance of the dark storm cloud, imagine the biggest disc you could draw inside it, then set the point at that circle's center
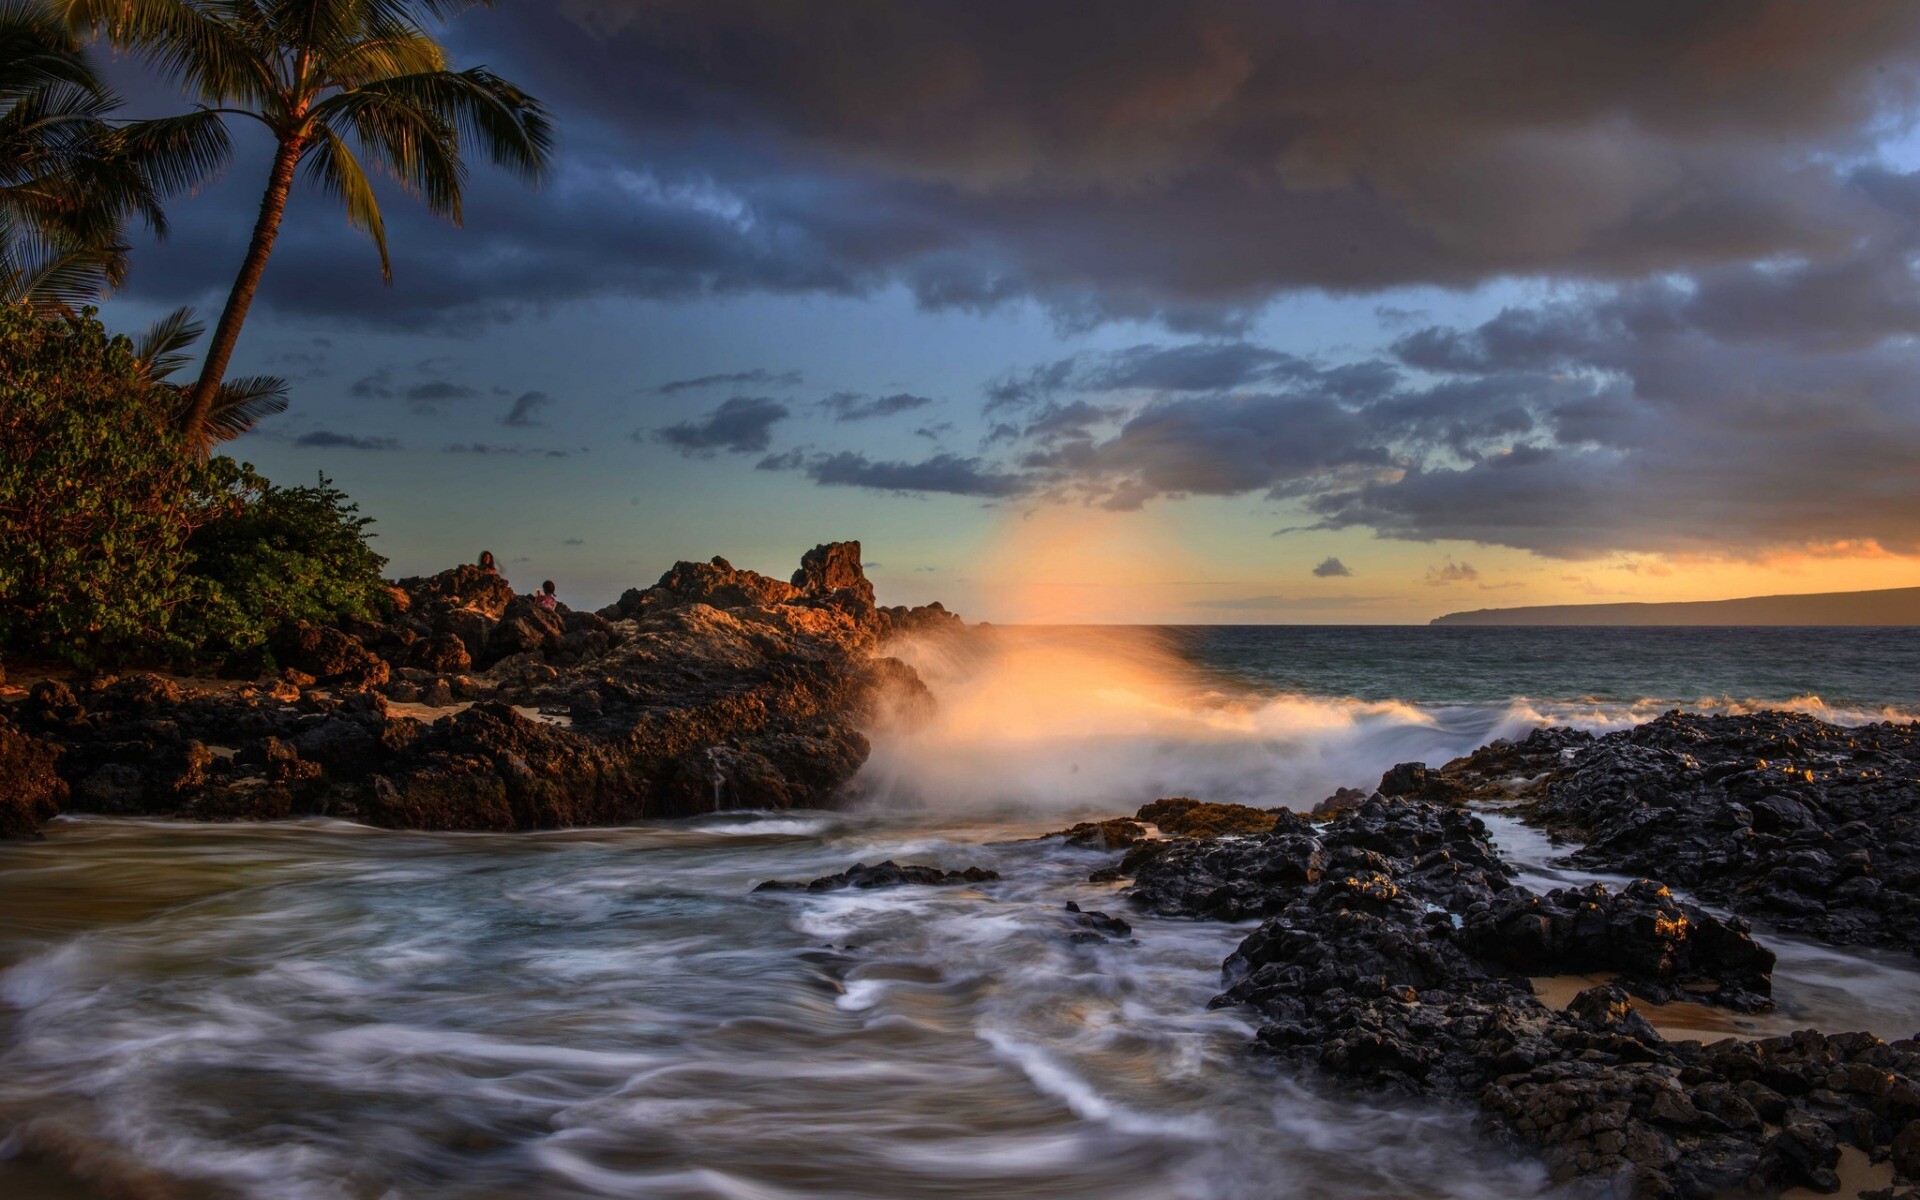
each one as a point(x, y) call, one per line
point(758, 376)
point(1186, 161)
point(849, 406)
point(1180, 163)
point(1331, 568)
point(522, 413)
point(327, 439)
point(742, 425)
point(944, 473)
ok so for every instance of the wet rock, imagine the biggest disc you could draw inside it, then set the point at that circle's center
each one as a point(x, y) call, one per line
point(1807, 826)
point(1608, 1008)
point(31, 790)
point(1097, 926)
point(1116, 834)
point(1659, 946)
point(1343, 800)
point(1377, 966)
point(1184, 817)
point(882, 875)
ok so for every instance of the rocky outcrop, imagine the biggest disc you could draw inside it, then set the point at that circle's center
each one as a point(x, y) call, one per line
point(31, 790)
point(884, 875)
point(722, 689)
point(1803, 825)
point(1393, 956)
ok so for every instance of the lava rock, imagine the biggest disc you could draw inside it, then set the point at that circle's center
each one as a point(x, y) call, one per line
point(882, 875)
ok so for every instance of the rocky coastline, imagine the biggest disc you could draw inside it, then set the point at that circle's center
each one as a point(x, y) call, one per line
point(1391, 949)
point(1397, 952)
point(471, 707)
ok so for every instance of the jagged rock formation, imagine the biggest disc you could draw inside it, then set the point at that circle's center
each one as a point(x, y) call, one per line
point(1393, 955)
point(1804, 825)
point(715, 688)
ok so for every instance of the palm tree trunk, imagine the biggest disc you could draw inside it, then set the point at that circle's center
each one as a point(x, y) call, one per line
point(226, 334)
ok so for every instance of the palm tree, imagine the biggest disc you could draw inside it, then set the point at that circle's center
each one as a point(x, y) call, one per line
point(317, 73)
point(71, 177)
point(238, 404)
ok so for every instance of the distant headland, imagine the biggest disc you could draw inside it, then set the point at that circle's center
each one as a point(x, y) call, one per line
point(1888, 606)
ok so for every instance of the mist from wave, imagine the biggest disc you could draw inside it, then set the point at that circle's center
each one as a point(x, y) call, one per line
point(1068, 719)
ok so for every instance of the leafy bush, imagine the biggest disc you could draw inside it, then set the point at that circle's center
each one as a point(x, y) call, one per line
point(96, 490)
point(117, 544)
point(267, 555)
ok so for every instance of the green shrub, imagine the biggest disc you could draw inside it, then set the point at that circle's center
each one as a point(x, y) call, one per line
point(117, 545)
point(267, 555)
point(96, 491)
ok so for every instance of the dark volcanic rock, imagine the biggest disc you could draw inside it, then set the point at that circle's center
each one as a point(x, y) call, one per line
point(328, 655)
point(684, 709)
point(1384, 964)
point(1803, 825)
point(882, 875)
point(1116, 834)
point(31, 790)
point(1096, 926)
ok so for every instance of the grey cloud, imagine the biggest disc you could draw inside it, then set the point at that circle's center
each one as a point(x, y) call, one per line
point(425, 395)
point(1451, 572)
point(522, 413)
point(742, 425)
point(850, 406)
point(327, 439)
point(758, 376)
point(1332, 567)
point(509, 451)
point(943, 473)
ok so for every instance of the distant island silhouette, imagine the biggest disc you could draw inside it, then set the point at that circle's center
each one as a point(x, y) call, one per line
point(1887, 606)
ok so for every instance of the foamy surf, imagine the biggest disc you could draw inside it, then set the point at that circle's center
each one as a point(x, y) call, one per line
point(1079, 719)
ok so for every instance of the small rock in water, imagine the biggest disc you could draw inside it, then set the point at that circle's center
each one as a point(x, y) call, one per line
point(1184, 817)
point(1116, 834)
point(1097, 926)
point(882, 875)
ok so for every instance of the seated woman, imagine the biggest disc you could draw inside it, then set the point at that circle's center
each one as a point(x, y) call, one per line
point(486, 562)
point(545, 597)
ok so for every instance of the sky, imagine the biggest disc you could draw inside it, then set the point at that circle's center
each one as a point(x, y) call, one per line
point(1136, 310)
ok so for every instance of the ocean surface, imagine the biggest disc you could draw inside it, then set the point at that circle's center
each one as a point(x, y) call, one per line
point(317, 1009)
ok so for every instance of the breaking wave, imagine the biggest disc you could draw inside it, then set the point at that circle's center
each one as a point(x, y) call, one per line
point(1077, 718)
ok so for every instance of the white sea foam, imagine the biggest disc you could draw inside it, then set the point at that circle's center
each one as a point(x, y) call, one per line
point(1081, 719)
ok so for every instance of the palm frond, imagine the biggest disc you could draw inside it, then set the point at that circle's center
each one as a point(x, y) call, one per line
point(163, 346)
point(240, 404)
point(332, 165)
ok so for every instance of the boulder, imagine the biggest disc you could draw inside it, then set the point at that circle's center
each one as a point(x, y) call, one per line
point(31, 790)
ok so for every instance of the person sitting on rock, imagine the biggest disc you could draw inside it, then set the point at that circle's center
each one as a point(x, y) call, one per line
point(545, 597)
point(486, 562)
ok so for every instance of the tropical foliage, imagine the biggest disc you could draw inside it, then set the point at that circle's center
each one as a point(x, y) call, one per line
point(115, 544)
point(339, 84)
point(238, 404)
point(70, 177)
point(268, 555)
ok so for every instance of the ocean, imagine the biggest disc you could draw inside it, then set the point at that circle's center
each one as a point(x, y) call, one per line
point(318, 1009)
